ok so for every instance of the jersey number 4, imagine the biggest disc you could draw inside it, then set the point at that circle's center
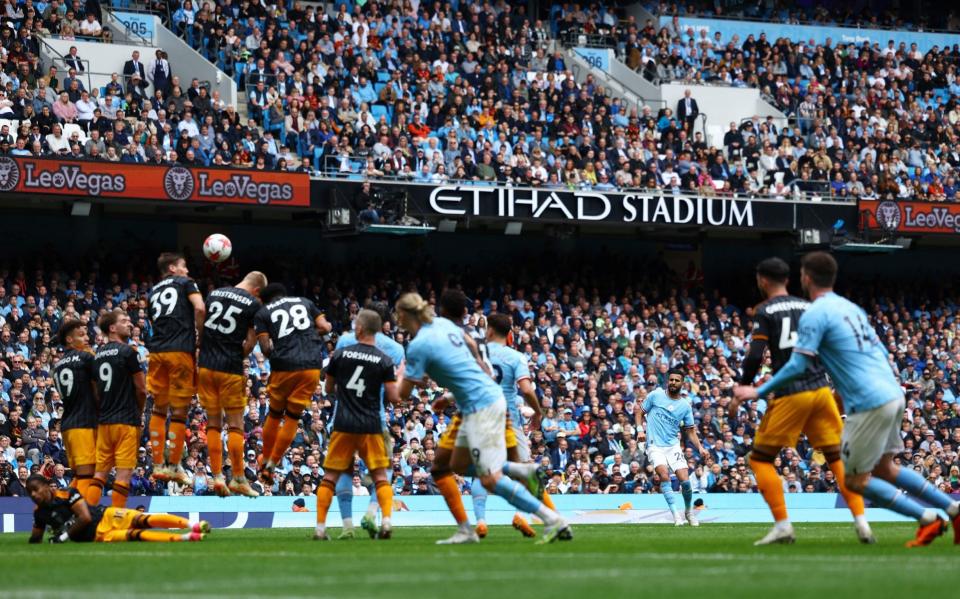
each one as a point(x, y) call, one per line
point(297, 319)
point(788, 337)
point(356, 382)
point(220, 320)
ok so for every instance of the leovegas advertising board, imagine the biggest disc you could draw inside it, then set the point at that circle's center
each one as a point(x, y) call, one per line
point(911, 217)
point(165, 183)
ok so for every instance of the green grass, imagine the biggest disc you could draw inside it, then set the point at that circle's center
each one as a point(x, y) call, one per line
point(603, 562)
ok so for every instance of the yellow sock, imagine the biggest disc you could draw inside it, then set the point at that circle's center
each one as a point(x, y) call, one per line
point(215, 449)
point(771, 487)
point(81, 483)
point(270, 429)
point(854, 501)
point(547, 501)
point(166, 521)
point(178, 430)
point(385, 498)
point(150, 536)
point(451, 494)
point(287, 432)
point(324, 497)
point(94, 491)
point(235, 450)
point(120, 493)
point(158, 437)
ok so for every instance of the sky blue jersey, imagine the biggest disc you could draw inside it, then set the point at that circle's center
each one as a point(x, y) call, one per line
point(509, 368)
point(838, 331)
point(385, 344)
point(665, 418)
point(440, 351)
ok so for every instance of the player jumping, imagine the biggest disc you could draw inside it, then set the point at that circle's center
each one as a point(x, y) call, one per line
point(176, 312)
point(73, 519)
point(839, 332)
point(228, 337)
point(804, 406)
point(666, 414)
point(122, 388)
point(357, 373)
point(288, 330)
point(73, 376)
point(439, 349)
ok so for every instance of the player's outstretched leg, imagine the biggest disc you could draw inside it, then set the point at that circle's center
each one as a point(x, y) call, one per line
point(344, 491)
point(479, 496)
point(519, 497)
point(911, 481)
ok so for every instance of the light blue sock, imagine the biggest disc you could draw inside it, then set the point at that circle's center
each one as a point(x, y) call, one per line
point(910, 480)
point(519, 497)
point(344, 491)
point(883, 494)
point(687, 490)
point(479, 496)
point(667, 489)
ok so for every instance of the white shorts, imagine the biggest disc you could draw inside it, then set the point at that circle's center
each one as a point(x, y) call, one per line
point(523, 445)
point(482, 433)
point(671, 457)
point(870, 435)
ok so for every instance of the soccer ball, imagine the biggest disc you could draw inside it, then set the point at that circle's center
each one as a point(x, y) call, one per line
point(217, 248)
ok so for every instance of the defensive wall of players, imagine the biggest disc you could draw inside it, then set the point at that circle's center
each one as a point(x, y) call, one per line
point(277, 512)
point(298, 193)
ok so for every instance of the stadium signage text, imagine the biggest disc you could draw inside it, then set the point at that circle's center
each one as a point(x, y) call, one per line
point(586, 206)
point(911, 217)
point(153, 182)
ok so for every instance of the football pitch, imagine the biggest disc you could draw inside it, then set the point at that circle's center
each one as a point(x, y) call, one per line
point(603, 562)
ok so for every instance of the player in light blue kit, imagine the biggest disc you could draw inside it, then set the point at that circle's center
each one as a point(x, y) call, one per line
point(439, 350)
point(666, 414)
point(839, 332)
point(344, 489)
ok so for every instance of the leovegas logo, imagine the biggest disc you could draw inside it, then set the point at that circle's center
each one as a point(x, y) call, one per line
point(215, 185)
point(73, 177)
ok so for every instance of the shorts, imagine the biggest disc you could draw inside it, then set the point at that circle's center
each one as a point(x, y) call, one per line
point(117, 446)
point(870, 435)
point(671, 457)
point(81, 445)
point(344, 445)
point(482, 432)
point(172, 375)
point(296, 387)
point(222, 391)
point(813, 413)
point(520, 442)
point(114, 518)
point(449, 438)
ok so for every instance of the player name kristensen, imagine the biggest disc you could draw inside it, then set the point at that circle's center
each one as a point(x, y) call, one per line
point(246, 301)
point(580, 205)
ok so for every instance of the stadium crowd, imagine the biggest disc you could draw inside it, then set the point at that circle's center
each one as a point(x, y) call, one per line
point(469, 91)
point(597, 340)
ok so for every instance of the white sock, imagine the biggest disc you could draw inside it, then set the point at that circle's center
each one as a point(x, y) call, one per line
point(372, 510)
point(861, 520)
point(465, 527)
point(548, 516)
point(348, 523)
point(321, 529)
point(954, 510)
point(385, 523)
point(928, 517)
point(782, 524)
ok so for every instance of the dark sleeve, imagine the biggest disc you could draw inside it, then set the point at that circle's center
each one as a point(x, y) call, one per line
point(74, 496)
point(190, 287)
point(38, 521)
point(758, 343)
point(261, 321)
point(131, 360)
point(314, 310)
point(389, 369)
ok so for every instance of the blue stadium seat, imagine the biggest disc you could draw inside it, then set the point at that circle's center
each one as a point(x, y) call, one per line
point(383, 76)
point(378, 110)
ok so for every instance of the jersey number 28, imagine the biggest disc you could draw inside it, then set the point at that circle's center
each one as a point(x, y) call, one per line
point(297, 319)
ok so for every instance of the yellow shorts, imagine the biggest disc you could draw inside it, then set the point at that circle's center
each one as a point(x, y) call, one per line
point(296, 387)
point(117, 446)
point(344, 445)
point(813, 413)
point(449, 438)
point(114, 518)
point(81, 445)
point(172, 375)
point(222, 391)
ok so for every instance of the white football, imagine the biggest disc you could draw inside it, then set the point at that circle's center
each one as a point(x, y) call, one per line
point(217, 247)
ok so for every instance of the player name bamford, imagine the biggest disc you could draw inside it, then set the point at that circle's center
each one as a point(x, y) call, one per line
point(356, 355)
point(785, 306)
point(246, 301)
point(108, 352)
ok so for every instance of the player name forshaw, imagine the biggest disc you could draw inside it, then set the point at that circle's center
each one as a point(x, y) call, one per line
point(356, 355)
